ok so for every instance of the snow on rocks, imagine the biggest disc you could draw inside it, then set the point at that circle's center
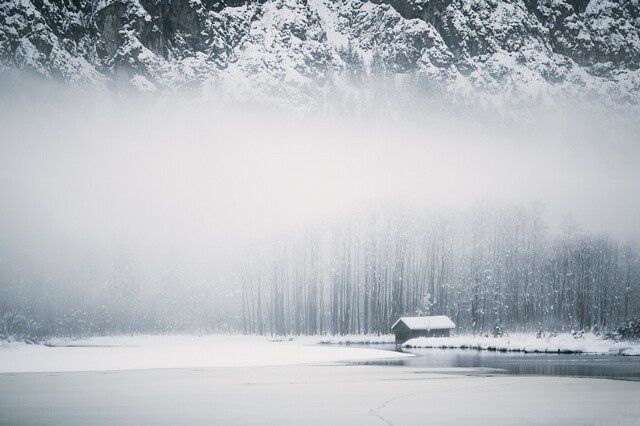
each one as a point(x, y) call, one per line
point(523, 342)
point(292, 51)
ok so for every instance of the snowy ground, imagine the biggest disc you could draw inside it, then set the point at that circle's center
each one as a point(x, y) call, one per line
point(251, 380)
point(155, 352)
point(356, 339)
point(313, 394)
point(522, 342)
point(514, 342)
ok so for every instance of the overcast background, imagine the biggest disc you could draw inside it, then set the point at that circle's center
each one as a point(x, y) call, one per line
point(194, 183)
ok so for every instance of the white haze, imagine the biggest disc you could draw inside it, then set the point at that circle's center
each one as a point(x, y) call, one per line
point(194, 183)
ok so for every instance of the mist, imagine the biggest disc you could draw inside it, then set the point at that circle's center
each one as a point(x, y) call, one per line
point(187, 187)
point(160, 173)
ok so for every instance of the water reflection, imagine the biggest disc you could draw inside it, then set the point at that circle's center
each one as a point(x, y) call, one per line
point(584, 365)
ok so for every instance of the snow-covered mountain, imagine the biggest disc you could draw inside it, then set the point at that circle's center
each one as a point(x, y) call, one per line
point(487, 51)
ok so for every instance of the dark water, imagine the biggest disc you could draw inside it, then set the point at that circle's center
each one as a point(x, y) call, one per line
point(582, 365)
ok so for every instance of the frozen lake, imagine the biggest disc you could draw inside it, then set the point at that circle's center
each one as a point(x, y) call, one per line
point(517, 363)
point(240, 380)
point(313, 394)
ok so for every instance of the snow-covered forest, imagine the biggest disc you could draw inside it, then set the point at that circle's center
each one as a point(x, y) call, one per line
point(489, 268)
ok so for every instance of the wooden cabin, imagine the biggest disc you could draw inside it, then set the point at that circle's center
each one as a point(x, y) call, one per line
point(411, 327)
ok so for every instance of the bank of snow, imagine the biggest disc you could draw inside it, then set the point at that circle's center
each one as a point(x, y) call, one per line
point(522, 342)
point(355, 339)
point(155, 352)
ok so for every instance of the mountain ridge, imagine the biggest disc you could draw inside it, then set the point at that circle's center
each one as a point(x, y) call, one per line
point(480, 51)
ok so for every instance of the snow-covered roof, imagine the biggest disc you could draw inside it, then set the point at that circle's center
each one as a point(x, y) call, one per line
point(437, 322)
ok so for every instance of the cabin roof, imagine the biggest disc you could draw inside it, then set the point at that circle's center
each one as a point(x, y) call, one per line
point(439, 322)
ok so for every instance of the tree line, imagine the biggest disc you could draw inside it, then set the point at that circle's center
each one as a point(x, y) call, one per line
point(489, 269)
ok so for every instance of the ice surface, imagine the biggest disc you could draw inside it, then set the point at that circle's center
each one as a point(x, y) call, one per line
point(322, 395)
point(155, 352)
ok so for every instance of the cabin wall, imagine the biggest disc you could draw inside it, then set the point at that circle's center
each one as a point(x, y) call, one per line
point(402, 335)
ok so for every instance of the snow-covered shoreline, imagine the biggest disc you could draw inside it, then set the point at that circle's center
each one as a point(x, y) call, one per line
point(356, 339)
point(120, 353)
point(522, 342)
point(587, 343)
point(218, 351)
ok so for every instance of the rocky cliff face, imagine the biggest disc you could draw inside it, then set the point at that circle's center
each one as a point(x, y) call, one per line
point(491, 51)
